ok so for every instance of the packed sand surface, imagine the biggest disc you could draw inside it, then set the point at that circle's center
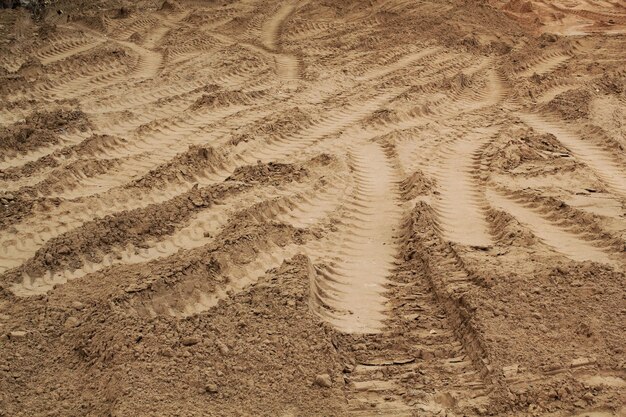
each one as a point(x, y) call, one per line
point(313, 208)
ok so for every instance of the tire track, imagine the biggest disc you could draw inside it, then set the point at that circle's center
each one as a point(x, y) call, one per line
point(173, 134)
point(403, 62)
point(303, 29)
point(592, 15)
point(461, 204)
point(271, 29)
point(70, 138)
point(560, 240)
point(570, 218)
point(596, 158)
point(287, 66)
point(550, 93)
point(82, 85)
point(190, 213)
point(287, 203)
point(337, 119)
point(466, 99)
point(546, 64)
point(74, 214)
point(31, 233)
point(124, 29)
point(61, 50)
point(192, 298)
point(146, 65)
point(353, 297)
point(429, 355)
point(139, 157)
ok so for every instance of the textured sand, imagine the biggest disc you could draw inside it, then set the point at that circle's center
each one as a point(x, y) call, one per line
point(313, 208)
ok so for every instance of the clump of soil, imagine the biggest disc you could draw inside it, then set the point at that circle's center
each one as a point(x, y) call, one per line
point(277, 125)
point(260, 349)
point(67, 177)
point(170, 6)
point(40, 129)
point(458, 82)
point(571, 105)
point(124, 12)
point(528, 307)
point(417, 184)
point(136, 37)
point(380, 117)
point(47, 30)
point(614, 83)
point(224, 98)
point(519, 6)
point(262, 172)
point(499, 47)
point(547, 38)
point(96, 144)
point(97, 22)
point(186, 166)
point(30, 68)
point(18, 205)
point(525, 146)
point(11, 82)
point(509, 231)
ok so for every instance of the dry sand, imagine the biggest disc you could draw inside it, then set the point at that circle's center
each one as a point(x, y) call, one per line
point(313, 208)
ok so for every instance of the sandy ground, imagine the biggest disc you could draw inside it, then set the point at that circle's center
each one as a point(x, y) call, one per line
point(313, 208)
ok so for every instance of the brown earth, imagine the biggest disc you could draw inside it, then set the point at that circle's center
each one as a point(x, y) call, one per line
point(313, 208)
